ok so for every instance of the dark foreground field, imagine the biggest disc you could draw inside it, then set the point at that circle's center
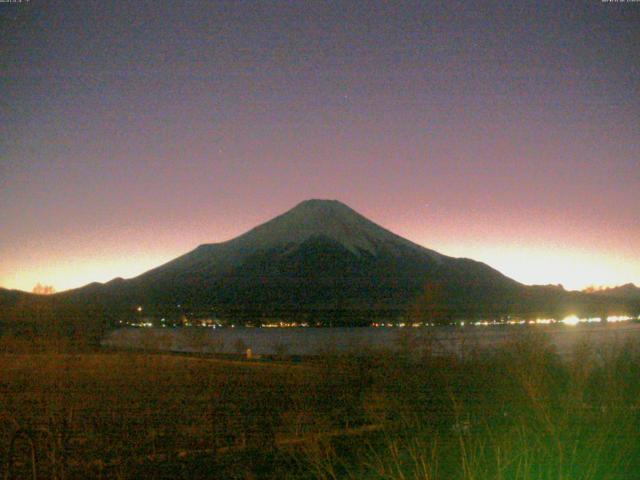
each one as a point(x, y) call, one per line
point(519, 413)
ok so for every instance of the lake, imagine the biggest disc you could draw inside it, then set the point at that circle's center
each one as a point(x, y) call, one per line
point(315, 341)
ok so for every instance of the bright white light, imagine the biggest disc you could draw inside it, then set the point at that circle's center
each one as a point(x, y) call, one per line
point(617, 318)
point(571, 320)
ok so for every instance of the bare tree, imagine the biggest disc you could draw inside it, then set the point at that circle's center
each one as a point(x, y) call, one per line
point(40, 289)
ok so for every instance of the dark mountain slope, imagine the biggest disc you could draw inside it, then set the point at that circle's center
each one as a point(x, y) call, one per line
point(628, 291)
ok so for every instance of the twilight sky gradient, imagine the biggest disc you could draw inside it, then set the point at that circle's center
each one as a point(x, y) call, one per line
point(131, 132)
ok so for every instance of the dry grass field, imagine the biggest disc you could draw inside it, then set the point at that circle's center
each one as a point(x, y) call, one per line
point(518, 413)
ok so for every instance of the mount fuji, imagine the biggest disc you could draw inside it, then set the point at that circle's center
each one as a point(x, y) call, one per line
point(321, 259)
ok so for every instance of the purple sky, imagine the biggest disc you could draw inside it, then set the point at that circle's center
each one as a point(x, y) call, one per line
point(131, 132)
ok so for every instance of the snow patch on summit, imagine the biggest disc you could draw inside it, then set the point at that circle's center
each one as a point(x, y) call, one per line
point(331, 219)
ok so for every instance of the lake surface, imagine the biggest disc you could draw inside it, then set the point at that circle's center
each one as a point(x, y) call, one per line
point(315, 341)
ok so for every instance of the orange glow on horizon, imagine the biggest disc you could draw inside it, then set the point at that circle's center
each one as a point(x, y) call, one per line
point(65, 275)
point(575, 270)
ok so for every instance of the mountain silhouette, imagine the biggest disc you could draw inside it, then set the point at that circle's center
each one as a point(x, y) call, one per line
point(322, 258)
point(627, 291)
point(324, 262)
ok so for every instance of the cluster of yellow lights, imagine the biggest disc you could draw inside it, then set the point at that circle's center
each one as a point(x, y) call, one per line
point(141, 324)
point(570, 320)
point(285, 325)
point(401, 324)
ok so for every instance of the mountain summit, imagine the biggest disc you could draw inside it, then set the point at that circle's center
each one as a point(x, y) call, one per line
point(324, 218)
point(329, 218)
